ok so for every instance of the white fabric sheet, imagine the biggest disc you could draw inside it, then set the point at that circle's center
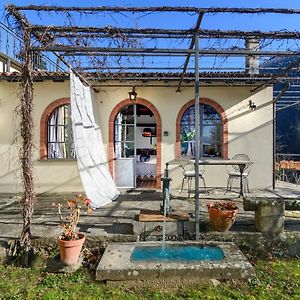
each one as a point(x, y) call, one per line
point(91, 158)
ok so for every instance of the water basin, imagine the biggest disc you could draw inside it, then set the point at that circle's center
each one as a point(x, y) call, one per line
point(184, 261)
point(177, 253)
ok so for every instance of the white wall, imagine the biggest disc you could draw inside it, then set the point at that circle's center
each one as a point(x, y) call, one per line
point(250, 132)
point(143, 142)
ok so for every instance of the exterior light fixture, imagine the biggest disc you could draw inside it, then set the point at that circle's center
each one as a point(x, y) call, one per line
point(252, 106)
point(132, 95)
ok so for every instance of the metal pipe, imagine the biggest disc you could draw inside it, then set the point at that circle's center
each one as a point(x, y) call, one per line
point(288, 154)
point(145, 85)
point(227, 80)
point(241, 51)
point(289, 97)
point(192, 44)
point(124, 54)
point(134, 141)
point(197, 138)
point(283, 102)
point(169, 55)
point(290, 105)
point(168, 68)
point(282, 92)
point(274, 146)
point(128, 68)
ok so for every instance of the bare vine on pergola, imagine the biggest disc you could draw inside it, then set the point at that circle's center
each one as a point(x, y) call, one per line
point(75, 45)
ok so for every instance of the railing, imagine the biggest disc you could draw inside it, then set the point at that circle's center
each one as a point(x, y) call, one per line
point(11, 44)
point(287, 156)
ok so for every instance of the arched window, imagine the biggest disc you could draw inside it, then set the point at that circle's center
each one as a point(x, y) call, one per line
point(60, 143)
point(210, 132)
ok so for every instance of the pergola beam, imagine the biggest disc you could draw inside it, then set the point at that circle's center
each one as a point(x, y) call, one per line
point(188, 76)
point(292, 65)
point(46, 36)
point(192, 44)
point(187, 9)
point(234, 52)
point(180, 68)
point(130, 68)
point(128, 35)
point(282, 92)
point(148, 85)
point(203, 33)
point(287, 106)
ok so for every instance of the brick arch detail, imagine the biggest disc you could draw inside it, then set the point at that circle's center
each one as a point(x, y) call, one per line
point(44, 122)
point(111, 141)
point(224, 120)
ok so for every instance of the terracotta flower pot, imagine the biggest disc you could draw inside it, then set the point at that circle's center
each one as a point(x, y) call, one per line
point(222, 220)
point(70, 250)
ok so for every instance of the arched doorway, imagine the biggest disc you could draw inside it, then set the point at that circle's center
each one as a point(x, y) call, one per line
point(135, 145)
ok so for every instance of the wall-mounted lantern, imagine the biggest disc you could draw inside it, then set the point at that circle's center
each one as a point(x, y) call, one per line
point(132, 95)
point(252, 106)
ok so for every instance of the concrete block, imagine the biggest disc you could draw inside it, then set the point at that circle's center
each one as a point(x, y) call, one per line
point(55, 265)
point(156, 228)
point(269, 217)
point(189, 227)
point(138, 227)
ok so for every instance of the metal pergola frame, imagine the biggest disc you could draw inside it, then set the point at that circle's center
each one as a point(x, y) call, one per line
point(46, 36)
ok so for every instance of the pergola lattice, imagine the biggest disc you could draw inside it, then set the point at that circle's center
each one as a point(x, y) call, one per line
point(102, 55)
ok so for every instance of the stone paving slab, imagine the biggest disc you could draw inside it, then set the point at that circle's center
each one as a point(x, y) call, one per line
point(117, 217)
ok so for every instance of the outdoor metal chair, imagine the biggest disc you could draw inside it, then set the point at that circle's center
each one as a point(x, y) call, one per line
point(188, 172)
point(233, 172)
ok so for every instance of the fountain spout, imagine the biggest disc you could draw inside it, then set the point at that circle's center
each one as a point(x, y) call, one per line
point(165, 207)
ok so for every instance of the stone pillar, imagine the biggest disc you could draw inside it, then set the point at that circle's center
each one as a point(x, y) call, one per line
point(252, 61)
point(269, 217)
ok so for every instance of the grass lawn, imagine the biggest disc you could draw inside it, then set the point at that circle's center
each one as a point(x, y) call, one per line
point(276, 279)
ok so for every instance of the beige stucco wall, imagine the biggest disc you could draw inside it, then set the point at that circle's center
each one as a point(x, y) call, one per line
point(250, 132)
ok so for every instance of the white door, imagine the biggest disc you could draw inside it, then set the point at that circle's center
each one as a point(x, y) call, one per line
point(125, 150)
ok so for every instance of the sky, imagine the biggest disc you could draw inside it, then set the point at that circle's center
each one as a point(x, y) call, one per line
point(229, 20)
point(264, 22)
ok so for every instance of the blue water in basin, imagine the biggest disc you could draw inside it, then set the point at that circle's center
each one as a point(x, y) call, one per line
point(177, 253)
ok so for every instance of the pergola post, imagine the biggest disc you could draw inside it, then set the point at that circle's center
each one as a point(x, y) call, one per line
point(60, 39)
point(27, 145)
point(197, 137)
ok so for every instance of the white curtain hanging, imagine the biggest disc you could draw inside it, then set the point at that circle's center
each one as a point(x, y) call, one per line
point(91, 158)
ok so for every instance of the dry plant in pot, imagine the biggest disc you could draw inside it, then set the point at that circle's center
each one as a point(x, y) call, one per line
point(222, 214)
point(70, 242)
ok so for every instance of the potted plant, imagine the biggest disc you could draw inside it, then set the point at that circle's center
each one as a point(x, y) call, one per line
point(222, 214)
point(70, 242)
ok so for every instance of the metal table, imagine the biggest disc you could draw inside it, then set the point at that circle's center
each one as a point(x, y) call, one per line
point(216, 162)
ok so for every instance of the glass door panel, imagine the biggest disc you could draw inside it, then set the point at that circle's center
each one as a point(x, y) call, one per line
point(125, 153)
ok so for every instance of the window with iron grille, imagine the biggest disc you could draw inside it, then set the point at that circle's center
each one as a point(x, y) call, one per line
point(60, 142)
